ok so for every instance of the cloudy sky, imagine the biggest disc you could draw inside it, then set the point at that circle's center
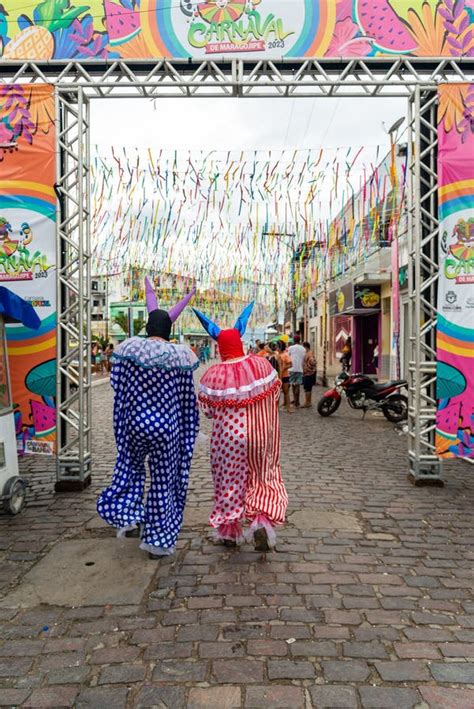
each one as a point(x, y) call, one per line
point(225, 125)
point(253, 125)
point(244, 124)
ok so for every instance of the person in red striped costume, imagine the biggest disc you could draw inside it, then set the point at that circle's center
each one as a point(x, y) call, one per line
point(241, 395)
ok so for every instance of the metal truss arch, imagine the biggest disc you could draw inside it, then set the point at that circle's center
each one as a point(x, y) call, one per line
point(73, 382)
point(77, 82)
point(174, 78)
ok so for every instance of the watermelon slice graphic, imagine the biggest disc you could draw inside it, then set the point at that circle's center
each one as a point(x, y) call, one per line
point(379, 22)
point(44, 418)
point(122, 24)
point(447, 418)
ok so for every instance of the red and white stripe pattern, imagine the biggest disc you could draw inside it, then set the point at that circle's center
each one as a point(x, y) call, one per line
point(266, 493)
point(229, 465)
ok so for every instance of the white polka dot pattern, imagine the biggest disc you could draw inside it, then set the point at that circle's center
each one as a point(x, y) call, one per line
point(155, 418)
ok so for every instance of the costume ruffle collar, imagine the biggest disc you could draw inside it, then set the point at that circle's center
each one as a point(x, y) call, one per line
point(148, 353)
point(238, 383)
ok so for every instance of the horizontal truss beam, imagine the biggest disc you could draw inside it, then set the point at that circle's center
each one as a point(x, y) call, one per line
point(174, 78)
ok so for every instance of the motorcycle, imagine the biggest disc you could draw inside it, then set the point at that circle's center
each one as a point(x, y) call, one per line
point(365, 394)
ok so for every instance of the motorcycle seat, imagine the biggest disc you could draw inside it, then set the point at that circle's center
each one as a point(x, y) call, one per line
point(380, 386)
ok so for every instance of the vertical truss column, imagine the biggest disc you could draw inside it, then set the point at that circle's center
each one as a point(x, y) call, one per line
point(423, 231)
point(74, 290)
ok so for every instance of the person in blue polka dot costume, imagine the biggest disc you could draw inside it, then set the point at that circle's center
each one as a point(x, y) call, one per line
point(155, 418)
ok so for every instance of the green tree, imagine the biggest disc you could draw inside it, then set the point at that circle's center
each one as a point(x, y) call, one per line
point(138, 325)
point(121, 320)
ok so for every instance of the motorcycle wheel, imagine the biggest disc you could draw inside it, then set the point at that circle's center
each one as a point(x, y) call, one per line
point(327, 406)
point(396, 408)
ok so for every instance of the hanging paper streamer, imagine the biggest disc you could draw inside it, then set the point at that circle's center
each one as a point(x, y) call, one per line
point(230, 221)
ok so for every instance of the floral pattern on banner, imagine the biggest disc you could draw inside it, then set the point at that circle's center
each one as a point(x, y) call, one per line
point(22, 117)
point(428, 28)
point(16, 122)
point(62, 29)
point(28, 256)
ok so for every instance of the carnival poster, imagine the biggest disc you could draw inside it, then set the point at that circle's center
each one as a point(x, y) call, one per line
point(28, 256)
point(254, 29)
point(455, 333)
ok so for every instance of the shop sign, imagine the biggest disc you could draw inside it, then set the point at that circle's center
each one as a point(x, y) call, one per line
point(341, 300)
point(367, 297)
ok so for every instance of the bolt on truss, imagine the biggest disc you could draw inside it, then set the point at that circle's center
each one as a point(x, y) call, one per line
point(73, 290)
point(422, 283)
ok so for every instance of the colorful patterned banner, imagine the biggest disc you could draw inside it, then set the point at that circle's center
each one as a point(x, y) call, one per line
point(455, 340)
point(259, 29)
point(28, 255)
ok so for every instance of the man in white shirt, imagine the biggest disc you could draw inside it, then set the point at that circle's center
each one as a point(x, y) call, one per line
point(297, 353)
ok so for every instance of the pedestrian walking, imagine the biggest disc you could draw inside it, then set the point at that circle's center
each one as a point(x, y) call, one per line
point(346, 354)
point(241, 396)
point(155, 417)
point(109, 352)
point(272, 356)
point(98, 360)
point(309, 374)
point(284, 365)
point(94, 348)
point(103, 360)
point(375, 356)
point(297, 354)
point(262, 350)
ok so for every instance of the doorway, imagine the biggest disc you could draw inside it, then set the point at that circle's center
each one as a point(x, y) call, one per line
point(367, 337)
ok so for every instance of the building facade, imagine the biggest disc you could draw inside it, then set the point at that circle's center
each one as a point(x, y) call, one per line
point(352, 282)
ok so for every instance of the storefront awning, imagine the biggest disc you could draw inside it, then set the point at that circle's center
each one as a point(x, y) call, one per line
point(363, 311)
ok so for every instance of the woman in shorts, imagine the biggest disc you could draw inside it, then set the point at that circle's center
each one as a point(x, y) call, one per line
point(309, 374)
point(284, 360)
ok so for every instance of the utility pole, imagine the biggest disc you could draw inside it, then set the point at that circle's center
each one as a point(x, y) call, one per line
point(130, 321)
point(325, 333)
point(283, 238)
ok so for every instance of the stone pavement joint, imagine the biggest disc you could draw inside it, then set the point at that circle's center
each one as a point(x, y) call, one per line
point(367, 602)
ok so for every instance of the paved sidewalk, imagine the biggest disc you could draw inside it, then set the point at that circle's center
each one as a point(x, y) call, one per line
point(368, 601)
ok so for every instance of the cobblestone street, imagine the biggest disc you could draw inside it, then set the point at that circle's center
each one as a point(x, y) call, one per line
point(367, 602)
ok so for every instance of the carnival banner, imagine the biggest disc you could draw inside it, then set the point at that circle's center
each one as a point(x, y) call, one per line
point(28, 255)
point(257, 29)
point(455, 334)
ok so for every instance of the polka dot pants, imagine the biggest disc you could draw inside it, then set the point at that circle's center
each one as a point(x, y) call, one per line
point(158, 424)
